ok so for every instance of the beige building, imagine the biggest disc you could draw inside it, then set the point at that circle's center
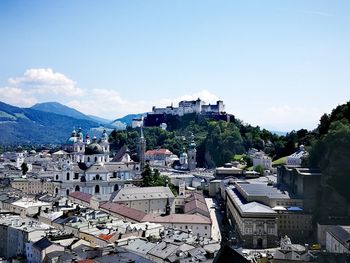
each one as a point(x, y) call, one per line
point(196, 223)
point(33, 186)
point(25, 206)
point(150, 200)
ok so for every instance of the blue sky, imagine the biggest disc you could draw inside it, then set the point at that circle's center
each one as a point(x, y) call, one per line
point(276, 64)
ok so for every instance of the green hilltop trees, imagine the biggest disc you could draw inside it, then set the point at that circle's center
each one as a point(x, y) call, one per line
point(217, 141)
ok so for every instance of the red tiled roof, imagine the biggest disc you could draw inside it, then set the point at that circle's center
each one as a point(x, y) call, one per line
point(177, 218)
point(123, 210)
point(158, 151)
point(196, 206)
point(195, 196)
point(106, 236)
point(86, 261)
point(81, 196)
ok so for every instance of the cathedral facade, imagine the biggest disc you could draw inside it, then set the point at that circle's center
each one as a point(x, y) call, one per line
point(88, 167)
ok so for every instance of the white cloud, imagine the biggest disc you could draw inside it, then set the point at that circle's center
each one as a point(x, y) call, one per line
point(46, 81)
point(108, 103)
point(42, 85)
point(16, 96)
point(204, 95)
point(288, 117)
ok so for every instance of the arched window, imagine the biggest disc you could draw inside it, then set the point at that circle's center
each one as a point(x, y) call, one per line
point(98, 177)
point(56, 191)
point(57, 177)
point(97, 189)
point(116, 187)
point(68, 176)
point(95, 159)
point(88, 159)
point(67, 192)
point(77, 188)
point(83, 179)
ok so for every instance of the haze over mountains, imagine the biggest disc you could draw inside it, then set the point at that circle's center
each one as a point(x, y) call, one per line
point(52, 122)
point(45, 123)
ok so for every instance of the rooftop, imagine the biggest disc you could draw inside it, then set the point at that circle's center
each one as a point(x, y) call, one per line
point(178, 218)
point(248, 207)
point(123, 211)
point(258, 189)
point(81, 196)
point(139, 193)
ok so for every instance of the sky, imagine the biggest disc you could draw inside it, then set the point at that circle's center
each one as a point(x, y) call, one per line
point(276, 64)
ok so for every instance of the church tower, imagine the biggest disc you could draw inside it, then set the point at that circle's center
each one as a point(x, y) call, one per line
point(142, 150)
point(192, 154)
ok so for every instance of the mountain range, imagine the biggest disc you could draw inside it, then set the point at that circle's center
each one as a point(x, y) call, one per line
point(49, 122)
point(52, 122)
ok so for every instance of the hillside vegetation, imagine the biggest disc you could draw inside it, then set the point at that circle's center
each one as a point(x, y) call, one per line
point(217, 141)
point(330, 150)
point(29, 126)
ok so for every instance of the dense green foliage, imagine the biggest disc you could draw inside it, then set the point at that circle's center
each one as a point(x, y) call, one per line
point(217, 141)
point(331, 150)
point(259, 168)
point(153, 178)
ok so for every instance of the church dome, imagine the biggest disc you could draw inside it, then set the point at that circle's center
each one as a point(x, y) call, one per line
point(93, 148)
point(184, 155)
point(71, 141)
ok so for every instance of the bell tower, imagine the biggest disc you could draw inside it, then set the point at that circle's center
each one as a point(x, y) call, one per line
point(192, 154)
point(142, 150)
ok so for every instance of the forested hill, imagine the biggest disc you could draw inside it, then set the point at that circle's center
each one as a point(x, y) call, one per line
point(217, 141)
point(330, 150)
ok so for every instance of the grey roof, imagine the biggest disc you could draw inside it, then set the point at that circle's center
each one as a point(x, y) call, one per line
point(117, 166)
point(97, 168)
point(42, 243)
point(63, 255)
point(140, 193)
point(122, 256)
point(255, 207)
point(341, 233)
point(140, 246)
point(163, 250)
point(259, 189)
point(251, 207)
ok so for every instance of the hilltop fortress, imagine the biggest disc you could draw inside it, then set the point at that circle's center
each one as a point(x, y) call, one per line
point(159, 116)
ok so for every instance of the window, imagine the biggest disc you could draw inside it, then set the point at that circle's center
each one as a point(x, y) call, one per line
point(68, 176)
point(95, 159)
point(76, 175)
point(97, 189)
point(77, 188)
point(67, 191)
point(57, 177)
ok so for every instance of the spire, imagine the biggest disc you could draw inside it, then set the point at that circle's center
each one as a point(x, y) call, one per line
point(142, 149)
point(141, 135)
